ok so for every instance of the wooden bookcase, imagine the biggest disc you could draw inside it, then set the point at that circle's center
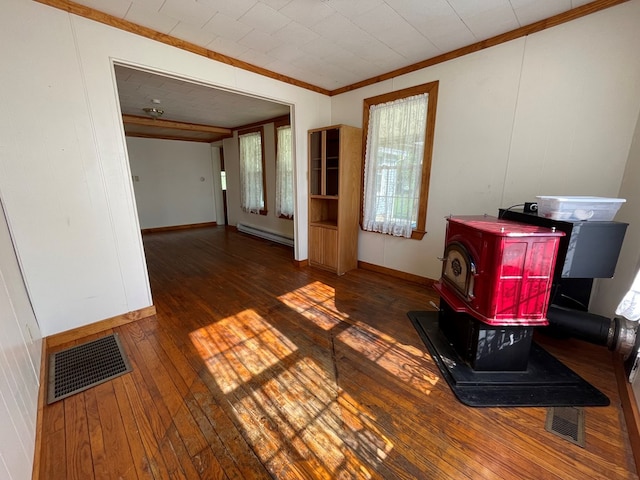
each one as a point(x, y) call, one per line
point(335, 177)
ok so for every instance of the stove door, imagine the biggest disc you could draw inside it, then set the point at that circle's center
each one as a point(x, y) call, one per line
point(458, 269)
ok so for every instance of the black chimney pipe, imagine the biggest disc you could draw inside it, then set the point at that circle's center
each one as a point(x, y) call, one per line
point(583, 325)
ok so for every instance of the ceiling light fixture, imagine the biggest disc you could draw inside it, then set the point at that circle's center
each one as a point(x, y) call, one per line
point(153, 112)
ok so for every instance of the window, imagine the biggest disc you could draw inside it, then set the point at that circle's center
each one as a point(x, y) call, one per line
point(252, 172)
point(399, 130)
point(284, 171)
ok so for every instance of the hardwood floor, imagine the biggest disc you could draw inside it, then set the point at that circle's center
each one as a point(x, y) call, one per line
point(253, 368)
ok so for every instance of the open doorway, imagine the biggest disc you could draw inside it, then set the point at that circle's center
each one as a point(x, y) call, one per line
point(181, 136)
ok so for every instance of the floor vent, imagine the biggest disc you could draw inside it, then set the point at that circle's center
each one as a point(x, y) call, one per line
point(78, 368)
point(567, 423)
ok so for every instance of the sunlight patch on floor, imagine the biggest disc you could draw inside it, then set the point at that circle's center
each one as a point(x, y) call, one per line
point(288, 402)
point(404, 362)
point(316, 302)
point(297, 415)
point(239, 348)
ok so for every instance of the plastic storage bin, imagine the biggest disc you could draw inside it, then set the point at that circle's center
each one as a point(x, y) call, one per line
point(579, 208)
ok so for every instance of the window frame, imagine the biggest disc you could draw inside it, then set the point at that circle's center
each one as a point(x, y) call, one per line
point(431, 89)
point(285, 122)
point(260, 130)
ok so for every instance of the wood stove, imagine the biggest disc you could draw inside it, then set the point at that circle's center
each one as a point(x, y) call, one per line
point(495, 286)
point(497, 277)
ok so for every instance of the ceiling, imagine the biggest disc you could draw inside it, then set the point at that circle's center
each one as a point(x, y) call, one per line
point(189, 106)
point(330, 44)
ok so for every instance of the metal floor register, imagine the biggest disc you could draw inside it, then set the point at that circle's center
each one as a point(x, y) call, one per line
point(80, 367)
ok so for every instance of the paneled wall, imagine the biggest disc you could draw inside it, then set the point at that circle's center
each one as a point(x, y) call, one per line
point(20, 350)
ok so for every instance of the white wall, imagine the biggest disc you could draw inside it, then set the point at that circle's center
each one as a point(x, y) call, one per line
point(550, 114)
point(270, 222)
point(64, 172)
point(173, 182)
point(609, 292)
point(20, 350)
point(629, 263)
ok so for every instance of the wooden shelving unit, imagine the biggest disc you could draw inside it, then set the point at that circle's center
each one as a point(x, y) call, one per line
point(335, 166)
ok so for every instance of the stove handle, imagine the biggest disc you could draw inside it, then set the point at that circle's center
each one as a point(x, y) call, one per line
point(474, 273)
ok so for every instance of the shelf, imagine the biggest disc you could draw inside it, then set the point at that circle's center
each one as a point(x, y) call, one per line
point(334, 171)
point(325, 224)
point(324, 197)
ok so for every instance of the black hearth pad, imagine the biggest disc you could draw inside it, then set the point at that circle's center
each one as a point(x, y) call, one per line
point(546, 382)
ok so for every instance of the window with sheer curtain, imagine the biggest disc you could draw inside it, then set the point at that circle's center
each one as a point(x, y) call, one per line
point(284, 172)
point(252, 179)
point(399, 130)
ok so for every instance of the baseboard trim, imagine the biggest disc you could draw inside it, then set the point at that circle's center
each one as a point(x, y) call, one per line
point(629, 409)
point(179, 227)
point(410, 277)
point(301, 263)
point(99, 326)
point(37, 453)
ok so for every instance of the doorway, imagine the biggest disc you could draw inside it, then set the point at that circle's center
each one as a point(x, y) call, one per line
point(158, 108)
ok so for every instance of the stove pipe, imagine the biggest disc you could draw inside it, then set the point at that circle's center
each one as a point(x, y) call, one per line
point(617, 334)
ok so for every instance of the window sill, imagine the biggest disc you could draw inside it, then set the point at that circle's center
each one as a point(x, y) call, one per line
point(415, 234)
point(261, 212)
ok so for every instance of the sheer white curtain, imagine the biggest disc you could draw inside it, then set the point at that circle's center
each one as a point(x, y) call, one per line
point(251, 179)
point(629, 306)
point(284, 173)
point(393, 165)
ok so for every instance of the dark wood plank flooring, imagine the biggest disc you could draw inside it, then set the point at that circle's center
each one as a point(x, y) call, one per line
point(253, 368)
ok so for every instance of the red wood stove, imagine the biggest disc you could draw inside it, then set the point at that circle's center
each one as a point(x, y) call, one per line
point(495, 287)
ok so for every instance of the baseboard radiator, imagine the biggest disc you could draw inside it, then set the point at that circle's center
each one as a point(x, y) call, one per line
point(259, 232)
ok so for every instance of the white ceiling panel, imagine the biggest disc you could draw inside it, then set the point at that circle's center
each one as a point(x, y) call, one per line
point(307, 12)
point(117, 8)
point(341, 31)
point(148, 4)
point(409, 43)
point(188, 11)
point(382, 17)
point(151, 18)
point(579, 3)
point(257, 58)
point(490, 23)
point(287, 52)
point(276, 4)
point(227, 27)
point(530, 11)
point(228, 47)
point(296, 34)
point(353, 9)
point(259, 41)
point(197, 36)
point(233, 8)
point(352, 38)
point(455, 35)
point(264, 18)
